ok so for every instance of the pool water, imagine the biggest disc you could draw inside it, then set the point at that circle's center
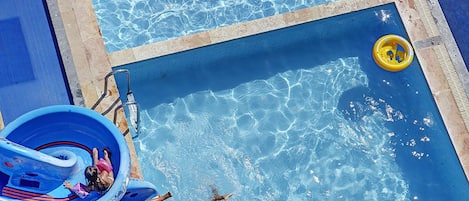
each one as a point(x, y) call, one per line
point(129, 23)
point(300, 113)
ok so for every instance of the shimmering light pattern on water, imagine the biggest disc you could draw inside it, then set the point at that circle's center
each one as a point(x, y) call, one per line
point(300, 113)
point(130, 23)
point(282, 138)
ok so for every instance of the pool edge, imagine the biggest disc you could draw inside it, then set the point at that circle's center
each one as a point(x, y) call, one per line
point(86, 63)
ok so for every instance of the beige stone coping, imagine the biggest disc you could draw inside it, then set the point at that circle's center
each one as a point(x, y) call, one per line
point(92, 62)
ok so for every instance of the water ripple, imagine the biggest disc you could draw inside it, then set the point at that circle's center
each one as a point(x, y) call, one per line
point(130, 23)
point(276, 139)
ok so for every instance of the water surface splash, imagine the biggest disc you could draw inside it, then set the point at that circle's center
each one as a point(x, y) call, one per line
point(282, 138)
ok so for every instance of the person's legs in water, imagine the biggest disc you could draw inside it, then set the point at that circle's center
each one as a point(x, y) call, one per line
point(217, 197)
point(163, 197)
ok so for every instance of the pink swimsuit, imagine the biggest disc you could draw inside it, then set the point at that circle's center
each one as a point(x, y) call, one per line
point(104, 165)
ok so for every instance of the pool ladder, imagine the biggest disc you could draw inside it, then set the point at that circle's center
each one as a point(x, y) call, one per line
point(131, 104)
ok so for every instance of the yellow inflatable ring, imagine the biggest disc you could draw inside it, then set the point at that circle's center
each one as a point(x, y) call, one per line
point(388, 54)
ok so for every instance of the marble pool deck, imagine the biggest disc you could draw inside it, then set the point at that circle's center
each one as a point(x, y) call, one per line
point(87, 62)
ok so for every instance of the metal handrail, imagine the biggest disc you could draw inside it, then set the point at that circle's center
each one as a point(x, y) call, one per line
point(104, 94)
point(131, 104)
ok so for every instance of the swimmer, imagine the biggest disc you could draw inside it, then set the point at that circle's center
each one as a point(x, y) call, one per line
point(162, 197)
point(217, 197)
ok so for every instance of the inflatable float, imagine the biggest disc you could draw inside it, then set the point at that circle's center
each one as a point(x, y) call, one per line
point(393, 53)
point(45, 147)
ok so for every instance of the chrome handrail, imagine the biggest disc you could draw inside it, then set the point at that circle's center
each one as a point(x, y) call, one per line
point(132, 106)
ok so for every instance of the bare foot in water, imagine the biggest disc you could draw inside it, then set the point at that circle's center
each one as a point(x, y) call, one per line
point(163, 197)
point(217, 197)
point(222, 197)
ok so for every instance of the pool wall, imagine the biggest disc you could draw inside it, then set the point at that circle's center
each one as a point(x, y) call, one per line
point(426, 34)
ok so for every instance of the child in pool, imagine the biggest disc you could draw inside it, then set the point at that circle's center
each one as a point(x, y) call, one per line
point(217, 197)
point(162, 197)
point(100, 176)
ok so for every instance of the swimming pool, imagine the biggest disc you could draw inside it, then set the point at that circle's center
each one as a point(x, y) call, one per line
point(129, 23)
point(301, 113)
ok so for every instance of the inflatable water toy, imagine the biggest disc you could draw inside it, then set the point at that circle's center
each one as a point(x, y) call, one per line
point(43, 148)
point(393, 53)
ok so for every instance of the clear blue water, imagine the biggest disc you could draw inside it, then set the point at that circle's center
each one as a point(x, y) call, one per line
point(301, 113)
point(129, 23)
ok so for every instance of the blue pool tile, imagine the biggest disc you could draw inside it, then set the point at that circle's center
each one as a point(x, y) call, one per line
point(14, 57)
point(31, 72)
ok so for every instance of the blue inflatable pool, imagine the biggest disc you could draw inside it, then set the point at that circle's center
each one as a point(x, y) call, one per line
point(45, 147)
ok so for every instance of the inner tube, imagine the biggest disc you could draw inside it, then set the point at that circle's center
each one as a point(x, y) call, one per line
point(393, 53)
